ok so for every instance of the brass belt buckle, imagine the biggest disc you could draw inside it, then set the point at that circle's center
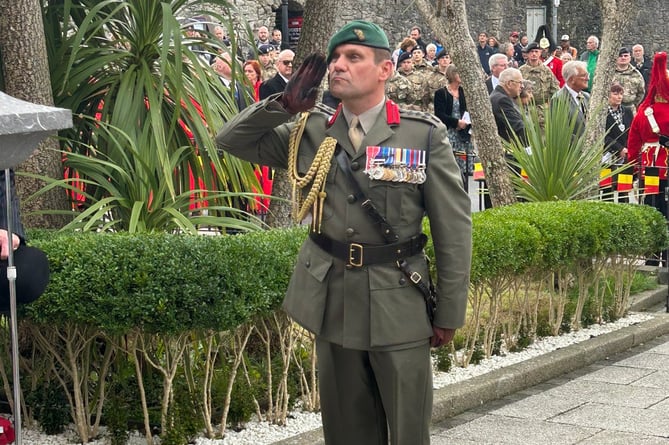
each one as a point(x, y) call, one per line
point(355, 249)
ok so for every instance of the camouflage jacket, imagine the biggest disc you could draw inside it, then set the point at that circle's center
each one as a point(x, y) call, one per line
point(545, 83)
point(436, 80)
point(418, 98)
point(633, 85)
point(268, 72)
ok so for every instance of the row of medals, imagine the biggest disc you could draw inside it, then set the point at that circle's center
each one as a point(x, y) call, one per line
point(390, 164)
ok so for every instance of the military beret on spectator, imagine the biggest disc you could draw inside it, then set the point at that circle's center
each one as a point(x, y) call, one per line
point(265, 49)
point(442, 53)
point(359, 32)
point(404, 56)
point(531, 46)
point(623, 50)
point(417, 47)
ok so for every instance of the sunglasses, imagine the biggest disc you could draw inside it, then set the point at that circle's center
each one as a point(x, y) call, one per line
point(287, 62)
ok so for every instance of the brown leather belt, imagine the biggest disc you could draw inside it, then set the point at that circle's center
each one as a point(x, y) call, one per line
point(358, 255)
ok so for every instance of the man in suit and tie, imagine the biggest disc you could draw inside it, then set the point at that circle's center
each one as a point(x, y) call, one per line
point(575, 74)
point(284, 66)
point(498, 63)
point(505, 109)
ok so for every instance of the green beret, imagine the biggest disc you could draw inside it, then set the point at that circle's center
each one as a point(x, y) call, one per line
point(359, 32)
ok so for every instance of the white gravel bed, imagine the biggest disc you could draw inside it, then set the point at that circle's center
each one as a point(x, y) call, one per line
point(263, 433)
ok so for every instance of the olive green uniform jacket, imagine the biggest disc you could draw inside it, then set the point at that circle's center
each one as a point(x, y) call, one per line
point(372, 307)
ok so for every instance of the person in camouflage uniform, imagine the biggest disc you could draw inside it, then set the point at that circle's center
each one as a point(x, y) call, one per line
point(266, 63)
point(545, 83)
point(418, 98)
point(543, 80)
point(630, 79)
point(399, 90)
point(419, 63)
point(437, 78)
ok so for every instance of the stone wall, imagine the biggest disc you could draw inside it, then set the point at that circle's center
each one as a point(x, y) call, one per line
point(576, 18)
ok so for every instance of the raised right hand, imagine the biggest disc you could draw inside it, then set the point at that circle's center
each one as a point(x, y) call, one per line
point(302, 89)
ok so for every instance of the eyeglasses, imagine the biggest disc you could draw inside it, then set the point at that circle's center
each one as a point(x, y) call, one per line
point(287, 62)
point(515, 81)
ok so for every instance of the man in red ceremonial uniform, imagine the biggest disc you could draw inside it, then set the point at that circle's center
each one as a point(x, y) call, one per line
point(649, 136)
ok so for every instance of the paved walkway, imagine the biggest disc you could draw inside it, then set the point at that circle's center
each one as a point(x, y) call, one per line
point(620, 400)
point(612, 389)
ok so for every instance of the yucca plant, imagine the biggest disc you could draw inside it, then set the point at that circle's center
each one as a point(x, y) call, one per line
point(146, 110)
point(556, 164)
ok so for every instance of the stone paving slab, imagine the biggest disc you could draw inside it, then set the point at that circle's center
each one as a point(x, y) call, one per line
point(632, 420)
point(610, 393)
point(647, 360)
point(541, 406)
point(658, 379)
point(620, 375)
point(618, 438)
point(492, 429)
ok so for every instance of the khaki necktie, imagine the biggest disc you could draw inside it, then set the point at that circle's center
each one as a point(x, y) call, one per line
point(355, 133)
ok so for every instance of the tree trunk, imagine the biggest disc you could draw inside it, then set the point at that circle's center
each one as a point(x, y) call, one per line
point(317, 28)
point(463, 53)
point(616, 16)
point(26, 76)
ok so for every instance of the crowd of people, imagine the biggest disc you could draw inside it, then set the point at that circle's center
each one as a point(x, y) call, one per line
point(528, 72)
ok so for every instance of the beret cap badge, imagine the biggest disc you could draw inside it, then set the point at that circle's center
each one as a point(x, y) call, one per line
point(358, 32)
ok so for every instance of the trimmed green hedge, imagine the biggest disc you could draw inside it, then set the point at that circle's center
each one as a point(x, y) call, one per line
point(552, 235)
point(163, 283)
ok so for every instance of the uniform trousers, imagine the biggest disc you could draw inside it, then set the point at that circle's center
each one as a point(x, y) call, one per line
point(368, 395)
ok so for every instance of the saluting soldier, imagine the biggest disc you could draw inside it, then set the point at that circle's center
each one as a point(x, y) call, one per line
point(350, 285)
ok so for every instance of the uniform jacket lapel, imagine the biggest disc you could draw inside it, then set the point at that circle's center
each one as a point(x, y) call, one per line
point(339, 131)
point(379, 133)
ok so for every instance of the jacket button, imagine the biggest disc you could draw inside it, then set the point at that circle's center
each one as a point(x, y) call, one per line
point(403, 281)
point(349, 267)
point(350, 199)
point(307, 264)
point(355, 166)
point(350, 232)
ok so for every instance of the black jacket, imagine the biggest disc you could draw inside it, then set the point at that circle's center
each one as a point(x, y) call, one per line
point(443, 108)
point(616, 139)
point(507, 115)
point(644, 68)
point(271, 86)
